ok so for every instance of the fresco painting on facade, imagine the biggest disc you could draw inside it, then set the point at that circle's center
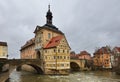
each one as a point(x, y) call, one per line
point(50, 45)
point(27, 51)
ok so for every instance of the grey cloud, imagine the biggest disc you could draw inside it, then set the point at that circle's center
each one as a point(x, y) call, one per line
point(87, 24)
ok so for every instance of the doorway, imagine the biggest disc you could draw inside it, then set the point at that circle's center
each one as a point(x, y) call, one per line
point(38, 55)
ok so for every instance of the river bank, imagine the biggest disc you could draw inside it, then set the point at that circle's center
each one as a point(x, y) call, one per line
point(4, 76)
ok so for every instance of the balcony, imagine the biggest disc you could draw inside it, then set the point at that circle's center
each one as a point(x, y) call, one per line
point(37, 48)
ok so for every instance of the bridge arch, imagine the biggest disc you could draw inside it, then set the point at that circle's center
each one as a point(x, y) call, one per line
point(5, 67)
point(74, 66)
point(37, 68)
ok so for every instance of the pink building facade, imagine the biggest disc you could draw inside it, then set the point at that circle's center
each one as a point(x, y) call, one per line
point(84, 55)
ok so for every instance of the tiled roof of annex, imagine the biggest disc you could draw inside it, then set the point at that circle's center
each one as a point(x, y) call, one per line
point(54, 42)
point(28, 43)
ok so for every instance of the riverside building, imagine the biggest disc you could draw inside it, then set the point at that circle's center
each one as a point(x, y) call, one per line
point(51, 47)
point(102, 58)
point(3, 50)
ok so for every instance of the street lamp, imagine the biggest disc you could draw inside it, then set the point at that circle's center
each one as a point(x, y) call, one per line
point(7, 55)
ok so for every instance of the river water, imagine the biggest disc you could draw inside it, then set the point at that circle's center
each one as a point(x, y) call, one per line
point(96, 76)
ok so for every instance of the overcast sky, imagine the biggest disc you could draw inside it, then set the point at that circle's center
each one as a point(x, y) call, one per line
point(87, 24)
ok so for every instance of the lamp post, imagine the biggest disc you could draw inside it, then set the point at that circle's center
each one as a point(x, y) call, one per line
point(7, 56)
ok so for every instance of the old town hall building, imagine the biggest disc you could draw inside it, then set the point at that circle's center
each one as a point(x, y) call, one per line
point(49, 45)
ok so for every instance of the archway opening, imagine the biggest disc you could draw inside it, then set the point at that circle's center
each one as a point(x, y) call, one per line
point(38, 69)
point(4, 67)
point(30, 68)
point(38, 55)
point(74, 66)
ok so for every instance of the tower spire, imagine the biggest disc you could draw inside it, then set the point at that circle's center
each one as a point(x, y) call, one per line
point(49, 16)
point(49, 7)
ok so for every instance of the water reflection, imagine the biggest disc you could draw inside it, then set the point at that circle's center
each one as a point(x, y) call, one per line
point(15, 76)
point(73, 77)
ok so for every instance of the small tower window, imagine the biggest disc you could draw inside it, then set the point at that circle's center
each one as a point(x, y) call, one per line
point(49, 35)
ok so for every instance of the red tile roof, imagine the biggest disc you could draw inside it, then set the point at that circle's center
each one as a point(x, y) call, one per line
point(54, 42)
point(3, 43)
point(28, 43)
point(84, 53)
point(118, 48)
point(103, 50)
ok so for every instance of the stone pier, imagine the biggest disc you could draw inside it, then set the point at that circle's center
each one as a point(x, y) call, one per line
point(4, 76)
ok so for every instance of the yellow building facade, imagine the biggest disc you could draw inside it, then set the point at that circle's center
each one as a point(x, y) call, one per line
point(57, 55)
point(3, 50)
point(51, 47)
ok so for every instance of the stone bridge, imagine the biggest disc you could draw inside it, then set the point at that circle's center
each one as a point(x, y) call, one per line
point(77, 64)
point(38, 65)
